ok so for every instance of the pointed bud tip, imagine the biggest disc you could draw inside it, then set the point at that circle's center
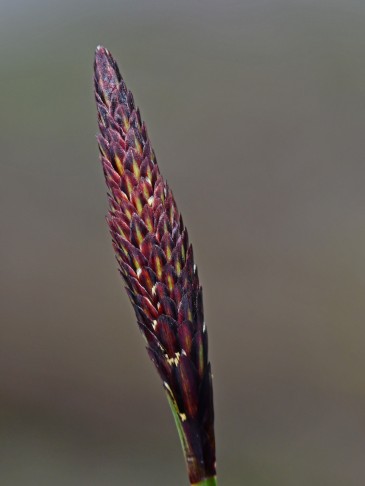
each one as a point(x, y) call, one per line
point(107, 75)
point(102, 56)
point(101, 51)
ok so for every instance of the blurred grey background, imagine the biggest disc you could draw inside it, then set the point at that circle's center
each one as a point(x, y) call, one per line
point(256, 110)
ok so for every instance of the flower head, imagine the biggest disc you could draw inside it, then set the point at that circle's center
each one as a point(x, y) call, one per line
point(157, 263)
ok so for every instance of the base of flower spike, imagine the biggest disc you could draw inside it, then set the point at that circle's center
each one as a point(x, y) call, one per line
point(194, 468)
point(207, 482)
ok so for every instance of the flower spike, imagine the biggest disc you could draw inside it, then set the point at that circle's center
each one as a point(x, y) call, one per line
point(157, 264)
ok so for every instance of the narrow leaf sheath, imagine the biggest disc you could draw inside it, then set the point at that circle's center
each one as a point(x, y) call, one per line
point(157, 264)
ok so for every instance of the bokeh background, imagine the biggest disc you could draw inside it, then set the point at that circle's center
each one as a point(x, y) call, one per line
point(256, 110)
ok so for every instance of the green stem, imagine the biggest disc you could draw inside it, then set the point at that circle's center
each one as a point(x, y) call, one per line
point(207, 482)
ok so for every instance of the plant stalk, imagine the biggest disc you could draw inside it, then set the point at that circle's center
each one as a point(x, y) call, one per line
point(212, 481)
